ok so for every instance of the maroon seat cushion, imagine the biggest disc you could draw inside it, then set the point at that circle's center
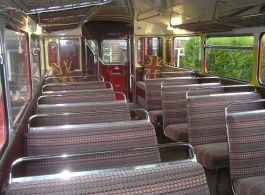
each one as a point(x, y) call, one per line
point(212, 156)
point(177, 132)
point(156, 116)
point(250, 185)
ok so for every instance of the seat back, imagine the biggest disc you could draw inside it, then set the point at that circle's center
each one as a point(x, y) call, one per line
point(82, 107)
point(153, 91)
point(74, 86)
point(79, 118)
point(67, 139)
point(206, 115)
point(76, 91)
point(180, 178)
point(174, 104)
point(77, 78)
point(245, 123)
point(91, 96)
point(178, 73)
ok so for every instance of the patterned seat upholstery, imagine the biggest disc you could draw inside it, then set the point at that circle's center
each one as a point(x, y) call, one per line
point(174, 108)
point(80, 118)
point(82, 107)
point(51, 79)
point(91, 96)
point(207, 127)
point(155, 116)
point(153, 97)
point(74, 86)
point(75, 91)
point(54, 140)
point(184, 178)
point(246, 135)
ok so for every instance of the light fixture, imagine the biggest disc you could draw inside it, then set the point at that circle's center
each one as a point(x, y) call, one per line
point(174, 20)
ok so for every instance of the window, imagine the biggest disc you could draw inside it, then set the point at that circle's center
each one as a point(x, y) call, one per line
point(262, 60)
point(93, 46)
point(114, 51)
point(187, 53)
point(18, 73)
point(149, 46)
point(36, 62)
point(59, 49)
point(230, 57)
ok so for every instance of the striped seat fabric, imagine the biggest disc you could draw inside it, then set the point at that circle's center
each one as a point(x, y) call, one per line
point(170, 68)
point(82, 107)
point(91, 96)
point(96, 137)
point(174, 108)
point(75, 91)
point(178, 179)
point(79, 118)
point(207, 127)
point(246, 135)
point(79, 78)
point(74, 86)
point(153, 97)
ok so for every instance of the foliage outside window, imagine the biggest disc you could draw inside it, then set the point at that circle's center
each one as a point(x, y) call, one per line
point(114, 51)
point(18, 73)
point(149, 46)
point(230, 57)
point(262, 60)
point(187, 52)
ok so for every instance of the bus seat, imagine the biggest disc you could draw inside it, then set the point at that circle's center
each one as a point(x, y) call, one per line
point(153, 96)
point(80, 138)
point(76, 91)
point(206, 125)
point(51, 79)
point(75, 86)
point(174, 108)
point(86, 96)
point(183, 178)
point(82, 107)
point(246, 143)
point(52, 119)
point(175, 177)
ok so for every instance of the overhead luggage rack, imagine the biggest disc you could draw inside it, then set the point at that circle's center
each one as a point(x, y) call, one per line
point(38, 6)
point(223, 24)
point(54, 15)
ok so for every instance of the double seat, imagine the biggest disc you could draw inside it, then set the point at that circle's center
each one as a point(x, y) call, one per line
point(74, 87)
point(149, 93)
point(246, 144)
point(119, 156)
point(174, 105)
point(206, 122)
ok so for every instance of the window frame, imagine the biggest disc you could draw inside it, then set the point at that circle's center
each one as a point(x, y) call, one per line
point(208, 47)
point(114, 62)
point(261, 55)
point(14, 123)
point(145, 47)
point(174, 61)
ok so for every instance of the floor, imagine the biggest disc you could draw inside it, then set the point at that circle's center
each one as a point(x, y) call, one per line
point(222, 187)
